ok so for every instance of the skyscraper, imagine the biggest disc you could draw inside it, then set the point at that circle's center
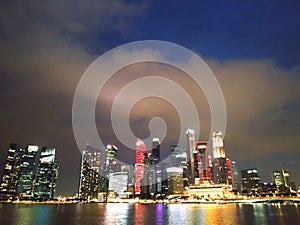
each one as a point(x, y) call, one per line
point(89, 174)
point(8, 188)
point(29, 173)
point(191, 146)
point(281, 178)
point(220, 171)
point(235, 176)
point(156, 181)
point(203, 161)
point(47, 173)
point(28, 169)
point(251, 182)
point(218, 145)
point(156, 150)
point(139, 164)
point(111, 165)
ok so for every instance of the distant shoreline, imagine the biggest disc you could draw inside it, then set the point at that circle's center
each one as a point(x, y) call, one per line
point(191, 201)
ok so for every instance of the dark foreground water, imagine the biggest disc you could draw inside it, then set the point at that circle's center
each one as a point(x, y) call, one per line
point(172, 214)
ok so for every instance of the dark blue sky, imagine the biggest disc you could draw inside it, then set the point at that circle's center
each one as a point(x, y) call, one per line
point(251, 46)
point(223, 30)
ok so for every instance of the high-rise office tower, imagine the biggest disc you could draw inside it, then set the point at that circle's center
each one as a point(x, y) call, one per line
point(235, 176)
point(146, 181)
point(177, 156)
point(8, 188)
point(118, 183)
point(229, 172)
point(281, 177)
point(156, 150)
point(139, 164)
point(175, 180)
point(203, 161)
point(111, 165)
point(191, 146)
point(157, 174)
point(28, 169)
point(89, 173)
point(47, 173)
point(218, 145)
point(251, 182)
point(220, 171)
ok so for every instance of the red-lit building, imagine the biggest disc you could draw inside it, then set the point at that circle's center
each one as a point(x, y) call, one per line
point(229, 172)
point(139, 165)
point(203, 161)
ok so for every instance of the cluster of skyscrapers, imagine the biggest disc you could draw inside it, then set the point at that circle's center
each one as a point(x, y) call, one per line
point(30, 173)
point(189, 168)
point(152, 177)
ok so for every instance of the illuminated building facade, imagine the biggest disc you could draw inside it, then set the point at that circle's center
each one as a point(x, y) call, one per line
point(177, 156)
point(179, 159)
point(139, 164)
point(156, 150)
point(277, 178)
point(203, 161)
point(220, 170)
point(175, 180)
point(28, 169)
point(89, 174)
point(47, 173)
point(111, 165)
point(156, 181)
point(146, 181)
point(235, 176)
point(281, 179)
point(191, 146)
point(229, 172)
point(8, 188)
point(118, 182)
point(251, 182)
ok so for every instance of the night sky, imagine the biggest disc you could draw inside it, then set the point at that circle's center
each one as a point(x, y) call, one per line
point(252, 47)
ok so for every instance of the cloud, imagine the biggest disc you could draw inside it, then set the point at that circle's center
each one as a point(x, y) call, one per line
point(46, 47)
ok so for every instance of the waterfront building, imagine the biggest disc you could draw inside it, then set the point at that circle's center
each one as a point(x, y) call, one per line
point(139, 164)
point(118, 183)
point(251, 182)
point(45, 183)
point(146, 181)
point(281, 177)
point(28, 170)
point(191, 147)
point(8, 187)
point(89, 174)
point(293, 185)
point(207, 190)
point(220, 170)
point(203, 161)
point(175, 180)
point(268, 189)
point(235, 176)
point(111, 165)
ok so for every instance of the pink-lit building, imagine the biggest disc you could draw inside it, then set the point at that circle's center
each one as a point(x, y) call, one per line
point(139, 165)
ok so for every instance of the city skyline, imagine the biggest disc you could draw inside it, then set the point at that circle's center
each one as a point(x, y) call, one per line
point(99, 167)
point(253, 53)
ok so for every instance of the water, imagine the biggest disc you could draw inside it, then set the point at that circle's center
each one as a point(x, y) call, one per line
point(170, 214)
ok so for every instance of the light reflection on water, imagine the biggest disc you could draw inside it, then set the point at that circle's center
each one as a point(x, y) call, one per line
point(169, 214)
